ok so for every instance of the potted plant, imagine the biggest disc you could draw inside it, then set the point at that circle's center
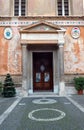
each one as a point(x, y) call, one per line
point(79, 84)
point(8, 89)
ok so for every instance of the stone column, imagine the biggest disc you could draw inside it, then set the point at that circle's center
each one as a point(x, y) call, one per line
point(61, 70)
point(61, 61)
point(24, 70)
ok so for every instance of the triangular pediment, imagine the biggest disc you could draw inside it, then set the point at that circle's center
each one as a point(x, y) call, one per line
point(41, 27)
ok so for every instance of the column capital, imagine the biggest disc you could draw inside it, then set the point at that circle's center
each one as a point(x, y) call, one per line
point(61, 44)
point(24, 45)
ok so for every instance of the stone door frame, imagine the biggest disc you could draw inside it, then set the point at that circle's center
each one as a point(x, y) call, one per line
point(30, 36)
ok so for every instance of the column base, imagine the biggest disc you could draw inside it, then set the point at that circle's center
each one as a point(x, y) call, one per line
point(62, 91)
point(30, 91)
point(56, 89)
point(24, 93)
point(24, 88)
point(24, 84)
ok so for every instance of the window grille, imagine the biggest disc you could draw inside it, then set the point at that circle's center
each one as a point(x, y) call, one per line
point(16, 7)
point(59, 7)
point(63, 7)
point(19, 7)
point(66, 7)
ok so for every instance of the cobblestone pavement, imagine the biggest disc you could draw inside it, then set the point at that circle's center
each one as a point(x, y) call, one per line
point(50, 113)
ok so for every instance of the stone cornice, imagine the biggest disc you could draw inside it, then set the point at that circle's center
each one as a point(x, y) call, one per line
point(43, 18)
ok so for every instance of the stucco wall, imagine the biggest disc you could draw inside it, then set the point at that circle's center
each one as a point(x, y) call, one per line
point(74, 53)
point(41, 7)
point(4, 7)
point(77, 7)
point(10, 53)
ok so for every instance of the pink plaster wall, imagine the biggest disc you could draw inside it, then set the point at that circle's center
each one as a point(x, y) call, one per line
point(10, 53)
point(74, 52)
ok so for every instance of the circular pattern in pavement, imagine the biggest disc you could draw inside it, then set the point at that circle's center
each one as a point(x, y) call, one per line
point(59, 114)
point(44, 101)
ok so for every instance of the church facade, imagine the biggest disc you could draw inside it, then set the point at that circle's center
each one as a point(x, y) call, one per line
point(42, 44)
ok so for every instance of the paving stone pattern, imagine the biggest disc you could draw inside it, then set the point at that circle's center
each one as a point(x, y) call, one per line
point(19, 120)
point(79, 99)
point(5, 103)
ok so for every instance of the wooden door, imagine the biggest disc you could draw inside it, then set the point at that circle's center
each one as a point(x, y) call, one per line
point(42, 71)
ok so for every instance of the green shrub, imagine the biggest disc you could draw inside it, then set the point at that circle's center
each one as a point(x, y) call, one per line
point(8, 89)
point(79, 83)
point(8, 81)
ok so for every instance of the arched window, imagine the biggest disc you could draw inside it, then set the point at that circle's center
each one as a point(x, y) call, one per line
point(19, 7)
point(63, 7)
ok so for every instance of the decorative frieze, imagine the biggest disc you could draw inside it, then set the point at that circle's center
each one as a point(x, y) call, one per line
point(56, 22)
point(68, 23)
point(16, 23)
